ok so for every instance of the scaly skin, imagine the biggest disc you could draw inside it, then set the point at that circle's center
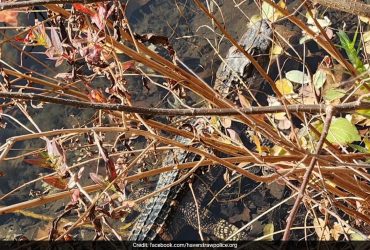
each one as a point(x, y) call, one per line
point(355, 7)
point(160, 219)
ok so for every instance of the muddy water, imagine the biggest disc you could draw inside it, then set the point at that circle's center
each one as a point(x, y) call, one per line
point(187, 29)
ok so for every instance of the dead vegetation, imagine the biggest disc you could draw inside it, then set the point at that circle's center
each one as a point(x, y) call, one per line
point(317, 116)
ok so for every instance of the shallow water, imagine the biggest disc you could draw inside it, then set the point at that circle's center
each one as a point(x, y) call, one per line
point(181, 21)
point(188, 30)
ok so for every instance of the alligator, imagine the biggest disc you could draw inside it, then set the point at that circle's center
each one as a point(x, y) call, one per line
point(160, 218)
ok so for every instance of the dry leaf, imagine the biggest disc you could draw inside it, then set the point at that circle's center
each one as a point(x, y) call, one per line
point(321, 229)
point(234, 136)
point(226, 122)
point(258, 143)
point(55, 181)
point(9, 17)
point(243, 101)
point(276, 190)
point(336, 231)
point(284, 124)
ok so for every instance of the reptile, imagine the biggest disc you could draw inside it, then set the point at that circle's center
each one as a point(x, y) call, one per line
point(160, 219)
point(355, 7)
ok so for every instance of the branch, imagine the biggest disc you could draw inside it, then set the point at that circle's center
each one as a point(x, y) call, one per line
point(20, 4)
point(309, 108)
point(329, 116)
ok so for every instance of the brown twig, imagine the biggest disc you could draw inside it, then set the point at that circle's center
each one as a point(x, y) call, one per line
point(197, 209)
point(308, 108)
point(93, 188)
point(21, 4)
point(183, 77)
point(306, 177)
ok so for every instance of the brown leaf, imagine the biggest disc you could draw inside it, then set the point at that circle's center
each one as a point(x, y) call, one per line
point(243, 100)
point(128, 204)
point(57, 156)
point(55, 181)
point(9, 17)
point(129, 65)
point(38, 162)
point(98, 179)
point(321, 229)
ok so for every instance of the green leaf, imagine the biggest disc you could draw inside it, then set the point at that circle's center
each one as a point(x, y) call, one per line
point(351, 51)
point(359, 148)
point(334, 94)
point(319, 78)
point(342, 132)
point(297, 77)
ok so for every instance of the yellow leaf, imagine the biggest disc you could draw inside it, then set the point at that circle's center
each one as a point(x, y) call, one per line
point(354, 236)
point(214, 122)
point(270, 13)
point(255, 19)
point(258, 143)
point(303, 141)
point(278, 14)
point(360, 120)
point(276, 50)
point(268, 231)
point(277, 151)
point(365, 19)
point(40, 37)
point(367, 144)
point(284, 86)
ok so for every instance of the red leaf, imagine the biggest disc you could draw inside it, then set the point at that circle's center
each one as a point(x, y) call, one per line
point(111, 168)
point(27, 39)
point(38, 162)
point(55, 181)
point(129, 65)
point(81, 8)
